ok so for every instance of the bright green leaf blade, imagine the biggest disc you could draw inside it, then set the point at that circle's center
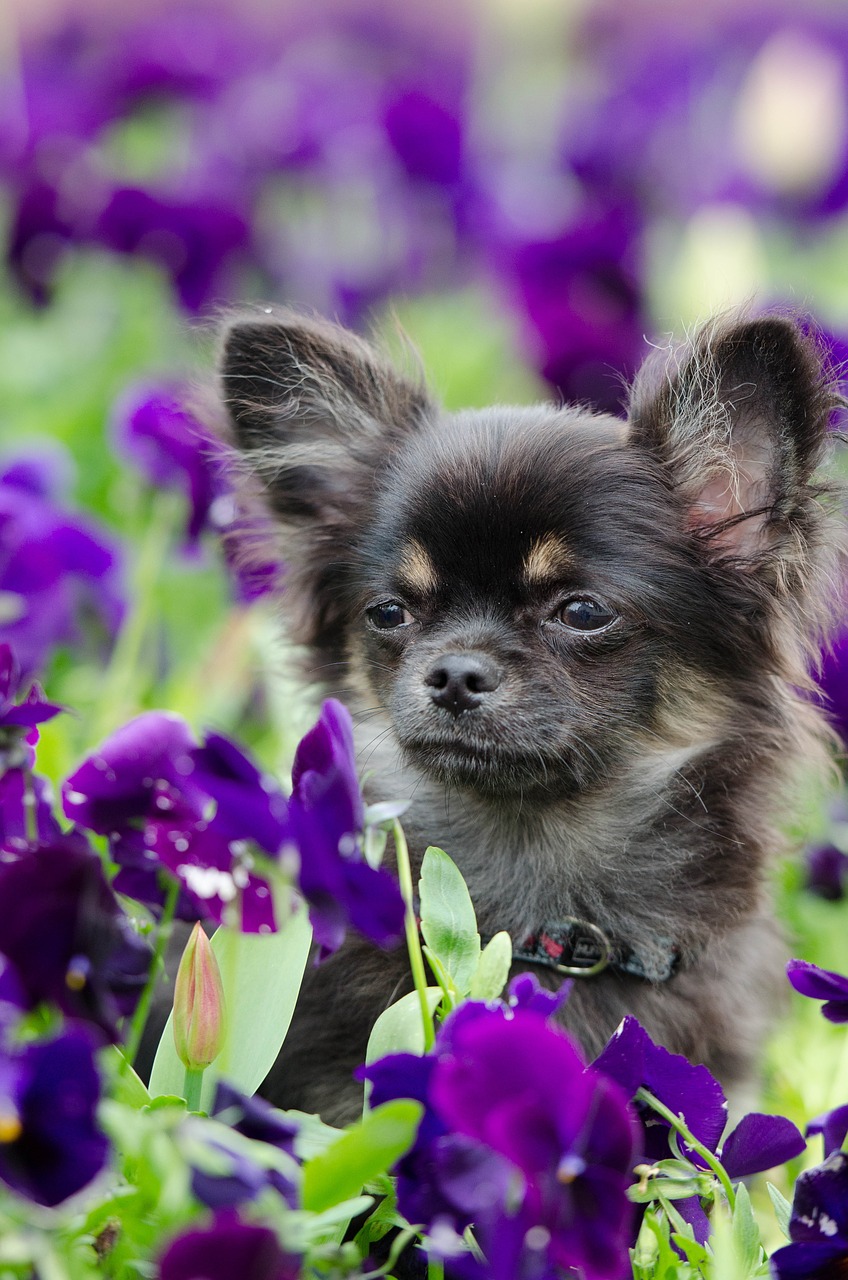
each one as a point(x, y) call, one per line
point(262, 974)
point(782, 1208)
point(399, 1028)
point(448, 922)
point(492, 972)
point(364, 1150)
point(746, 1233)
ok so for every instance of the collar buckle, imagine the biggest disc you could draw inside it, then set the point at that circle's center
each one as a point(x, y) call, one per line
point(575, 948)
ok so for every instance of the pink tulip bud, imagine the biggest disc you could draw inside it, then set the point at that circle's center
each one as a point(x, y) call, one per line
point(198, 1004)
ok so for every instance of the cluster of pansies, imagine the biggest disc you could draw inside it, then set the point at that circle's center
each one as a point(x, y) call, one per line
point(343, 153)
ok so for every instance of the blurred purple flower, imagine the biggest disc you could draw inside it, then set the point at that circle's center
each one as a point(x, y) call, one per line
point(19, 721)
point(821, 984)
point(426, 136)
point(68, 938)
point(818, 1227)
point(55, 567)
point(21, 793)
point(260, 1122)
point(581, 293)
point(50, 1145)
point(770, 81)
point(154, 429)
point(826, 868)
point(327, 818)
point(507, 1094)
point(192, 240)
point(226, 1249)
point(832, 681)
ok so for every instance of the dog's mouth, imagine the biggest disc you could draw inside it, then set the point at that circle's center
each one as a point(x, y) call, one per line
point(487, 766)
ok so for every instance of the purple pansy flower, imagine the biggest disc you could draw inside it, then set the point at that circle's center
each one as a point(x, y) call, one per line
point(68, 938)
point(53, 567)
point(32, 710)
point(50, 1145)
point(832, 680)
point(156, 431)
point(26, 807)
point(130, 776)
point(225, 1249)
point(327, 817)
point(520, 1138)
point(818, 1226)
point(758, 1142)
point(821, 984)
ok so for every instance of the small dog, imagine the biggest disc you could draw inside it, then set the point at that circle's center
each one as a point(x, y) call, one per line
point(578, 644)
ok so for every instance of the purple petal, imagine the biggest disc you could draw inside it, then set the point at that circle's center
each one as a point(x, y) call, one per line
point(760, 1142)
point(226, 1249)
point(821, 984)
point(833, 1126)
point(820, 1207)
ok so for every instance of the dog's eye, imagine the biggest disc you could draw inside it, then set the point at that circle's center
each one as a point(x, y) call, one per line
point(585, 614)
point(388, 615)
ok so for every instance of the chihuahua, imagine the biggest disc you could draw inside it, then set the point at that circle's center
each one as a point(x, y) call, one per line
point(579, 644)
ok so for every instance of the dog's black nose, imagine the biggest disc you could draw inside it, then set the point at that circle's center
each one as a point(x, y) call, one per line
point(459, 681)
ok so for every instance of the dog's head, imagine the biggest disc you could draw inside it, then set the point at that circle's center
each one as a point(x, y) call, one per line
point(535, 595)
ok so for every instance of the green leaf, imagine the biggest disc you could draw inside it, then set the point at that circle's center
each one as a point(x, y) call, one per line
point(399, 1028)
point(126, 1086)
point(492, 972)
point(362, 1152)
point(782, 1208)
point(262, 974)
point(448, 922)
point(746, 1233)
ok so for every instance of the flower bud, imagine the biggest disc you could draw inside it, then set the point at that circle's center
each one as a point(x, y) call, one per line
point(198, 1004)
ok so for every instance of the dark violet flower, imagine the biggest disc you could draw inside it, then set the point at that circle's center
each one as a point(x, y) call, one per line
point(581, 293)
point(67, 936)
point(226, 1249)
point(520, 1138)
point(158, 433)
point(249, 804)
point(758, 1142)
point(193, 239)
point(130, 776)
point(826, 870)
point(818, 1226)
point(633, 1060)
point(327, 817)
point(50, 1145)
point(26, 804)
point(821, 984)
point(55, 567)
point(526, 992)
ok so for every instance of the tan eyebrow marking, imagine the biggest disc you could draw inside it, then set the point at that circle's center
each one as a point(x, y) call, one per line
point(417, 569)
point(549, 557)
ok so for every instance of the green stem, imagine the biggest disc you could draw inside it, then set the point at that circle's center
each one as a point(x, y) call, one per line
point(116, 700)
point(679, 1125)
point(192, 1087)
point(435, 1269)
point(413, 941)
point(142, 1009)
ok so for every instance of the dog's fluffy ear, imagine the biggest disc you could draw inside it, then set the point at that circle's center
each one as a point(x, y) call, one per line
point(739, 417)
point(313, 407)
point(316, 413)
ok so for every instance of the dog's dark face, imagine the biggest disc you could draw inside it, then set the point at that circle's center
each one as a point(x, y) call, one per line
point(540, 597)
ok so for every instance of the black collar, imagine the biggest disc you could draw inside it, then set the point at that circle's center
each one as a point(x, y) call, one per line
point(577, 949)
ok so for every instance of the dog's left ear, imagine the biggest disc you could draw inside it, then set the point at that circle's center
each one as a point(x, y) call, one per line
point(739, 418)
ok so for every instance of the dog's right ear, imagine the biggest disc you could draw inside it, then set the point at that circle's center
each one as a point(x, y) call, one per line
point(314, 409)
